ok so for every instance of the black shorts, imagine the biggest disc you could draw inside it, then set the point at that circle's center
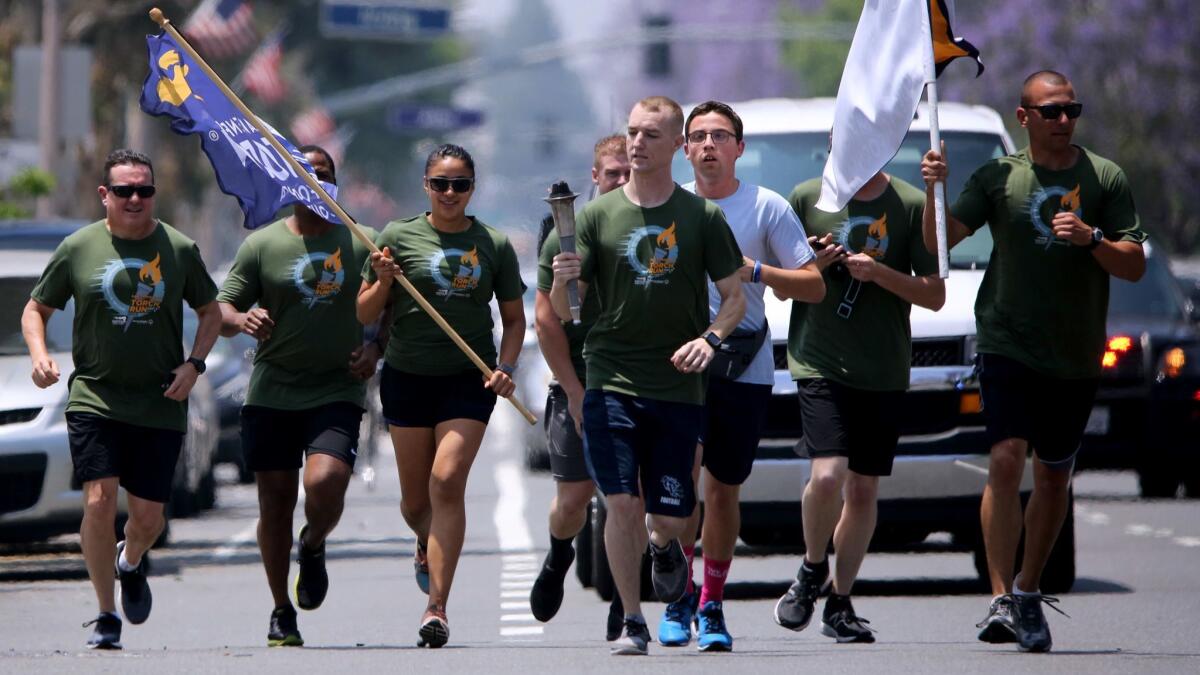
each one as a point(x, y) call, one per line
point(734, 414)
point(276, 440)
point(630, 440)
point(841, 421)
point(425, 401)
point(563, 443)
point(1048, 412)
point(142, 458)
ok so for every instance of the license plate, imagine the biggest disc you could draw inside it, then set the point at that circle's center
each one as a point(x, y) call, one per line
point(1097, 424)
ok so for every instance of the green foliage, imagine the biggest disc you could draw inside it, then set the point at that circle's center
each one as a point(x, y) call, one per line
point(818, 63)
point(31, 182)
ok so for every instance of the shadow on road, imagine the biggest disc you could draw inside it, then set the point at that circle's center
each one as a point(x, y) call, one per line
point(916, 586)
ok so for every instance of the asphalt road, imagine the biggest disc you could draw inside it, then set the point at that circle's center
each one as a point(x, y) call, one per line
point(1133, 609)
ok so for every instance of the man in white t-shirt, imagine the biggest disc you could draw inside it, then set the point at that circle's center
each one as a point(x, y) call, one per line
point(778, 256)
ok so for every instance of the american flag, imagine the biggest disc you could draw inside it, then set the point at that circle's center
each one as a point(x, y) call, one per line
point(314, 125)
point(222, 28)
point(261, 74)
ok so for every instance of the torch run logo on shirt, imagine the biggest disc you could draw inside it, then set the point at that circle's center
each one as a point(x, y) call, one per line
point(328, 281)
point(466, 273)
point(874, 244)
point(664, 252)
point(147, 296)
point(1060, 200)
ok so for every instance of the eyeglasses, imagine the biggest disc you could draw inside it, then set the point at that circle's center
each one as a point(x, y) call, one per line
point(127, 191)
point(460, 185)
point(1052, 111)
point(719, 136)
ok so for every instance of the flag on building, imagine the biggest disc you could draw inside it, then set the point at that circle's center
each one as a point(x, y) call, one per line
point(247, 166)
point(898, 47)
point(221, 28)
point(261, 75)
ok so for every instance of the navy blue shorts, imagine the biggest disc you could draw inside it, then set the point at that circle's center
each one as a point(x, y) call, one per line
point(425, 401)
point(142, 458)
point(1048, 412)
point(734, 414)
point(276, 440)
point(629, 441)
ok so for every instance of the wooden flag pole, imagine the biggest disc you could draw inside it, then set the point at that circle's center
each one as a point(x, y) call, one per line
point(157, 16)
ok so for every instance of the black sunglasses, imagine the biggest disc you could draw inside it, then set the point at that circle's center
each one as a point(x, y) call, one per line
point(127, 191)
point(1052, 111)
point(460, 185)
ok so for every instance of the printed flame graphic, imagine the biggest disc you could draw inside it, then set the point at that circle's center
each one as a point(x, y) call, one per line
point(878, 229)
point(666, 240)
point(470, 258)
point(150, 272)
point(175, 90)
point(334, 262)
point(1070, 201)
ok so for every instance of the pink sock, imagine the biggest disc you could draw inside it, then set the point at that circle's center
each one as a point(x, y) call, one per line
point(689, 552)
point(715, 572)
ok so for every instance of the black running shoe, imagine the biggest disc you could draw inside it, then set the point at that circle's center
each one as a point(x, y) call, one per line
point(133, 592)
point(794, 610)
point(546, 596)
point(434, 631)
point(669, 571)
point(616, 619)
point(283, 631)
point(107, 631)
point(999, 626)
point(842, 624)
point(1033, 633)
point(634, 642)
point(312, 581)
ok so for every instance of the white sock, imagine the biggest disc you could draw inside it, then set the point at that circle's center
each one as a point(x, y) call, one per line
point(1017, 591)
point(123, 563)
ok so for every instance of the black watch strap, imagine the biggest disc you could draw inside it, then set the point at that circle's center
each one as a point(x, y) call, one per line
point(198, 364)
point(712, 339)
point(1097, 237)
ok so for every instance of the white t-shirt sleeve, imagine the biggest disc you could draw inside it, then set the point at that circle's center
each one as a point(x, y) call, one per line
point(787, 241)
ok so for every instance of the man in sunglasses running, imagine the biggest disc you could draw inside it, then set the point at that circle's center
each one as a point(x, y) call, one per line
point(129, 275)
point(1063, 222)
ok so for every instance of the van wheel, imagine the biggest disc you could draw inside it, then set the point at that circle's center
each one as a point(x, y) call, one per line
point(1157, 482)
point(1059, 574)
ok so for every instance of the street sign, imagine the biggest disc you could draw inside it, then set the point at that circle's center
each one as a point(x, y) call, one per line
point(411, 117)
point(383, 20)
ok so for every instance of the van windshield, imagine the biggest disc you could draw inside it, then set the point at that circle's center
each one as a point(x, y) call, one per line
point(782, 161)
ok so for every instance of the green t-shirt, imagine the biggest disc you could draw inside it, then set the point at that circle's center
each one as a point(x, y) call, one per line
point(128, 330)
point(859, 335)
point(1043, 302)
point(588, 312)
point(309, 286)
point(649, 270)
point(458, 273)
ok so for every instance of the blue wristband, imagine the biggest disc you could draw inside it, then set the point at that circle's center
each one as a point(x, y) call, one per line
point(757, 273)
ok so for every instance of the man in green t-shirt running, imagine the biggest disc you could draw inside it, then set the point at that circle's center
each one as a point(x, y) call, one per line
point(849, 355)
point(129, 275)
point(561, 343)
point(648, 251)
point(1063, 222)
point(293, 286)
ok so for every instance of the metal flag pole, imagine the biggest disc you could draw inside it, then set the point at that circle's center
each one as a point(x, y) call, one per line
point(157, 16)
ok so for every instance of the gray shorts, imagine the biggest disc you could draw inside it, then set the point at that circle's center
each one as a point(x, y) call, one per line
point(564, 445)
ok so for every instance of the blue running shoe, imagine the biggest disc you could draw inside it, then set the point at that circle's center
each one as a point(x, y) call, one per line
point(711, 634)
point(675, 627)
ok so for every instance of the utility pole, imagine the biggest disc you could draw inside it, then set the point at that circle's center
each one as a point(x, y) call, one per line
point(48, 100)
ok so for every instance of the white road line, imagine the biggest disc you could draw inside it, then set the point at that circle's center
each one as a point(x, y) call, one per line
point(236, 541)
point(515, 593)
point(970, 467)
point(510, 585)
point(517, 618)
point(518, 576)
point(1188, 542)
point(1139, 530)
point(1094, 517)
point(520, 566)
point(509, 631)
point(514, 605)
point(510, 508)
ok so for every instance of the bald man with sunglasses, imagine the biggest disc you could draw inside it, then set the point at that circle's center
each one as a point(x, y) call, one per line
point(1063, 222)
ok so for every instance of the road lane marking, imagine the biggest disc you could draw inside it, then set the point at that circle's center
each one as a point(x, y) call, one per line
point(1188, 542)
point(514, 618)
point(513, 631)
point(509, 517)
point(238, 540)
point(514, 605)
point(514, 594)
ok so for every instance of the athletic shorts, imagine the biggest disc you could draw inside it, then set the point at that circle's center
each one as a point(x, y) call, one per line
point(142, 458)
point(562, 441)
point(630, 441)
point(1048, 412)
point(734, 414)
point(425, 401)
point(277, 440)
point(860, 425)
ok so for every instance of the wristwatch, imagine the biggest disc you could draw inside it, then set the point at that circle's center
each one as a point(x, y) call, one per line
point(507, 369)
point(1097, 237)
point(712, 339)
point(198, 364)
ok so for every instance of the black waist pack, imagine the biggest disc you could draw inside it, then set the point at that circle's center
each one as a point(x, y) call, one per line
point(736, 352)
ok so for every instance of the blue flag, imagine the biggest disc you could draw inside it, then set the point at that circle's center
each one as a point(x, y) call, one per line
point(246, 165)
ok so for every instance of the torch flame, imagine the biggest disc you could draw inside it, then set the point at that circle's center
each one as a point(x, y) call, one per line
point(150, 272)
point(1070, 201)
point(666, 240)
point(878, 229)
point(470, 258)
point(334, 262)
